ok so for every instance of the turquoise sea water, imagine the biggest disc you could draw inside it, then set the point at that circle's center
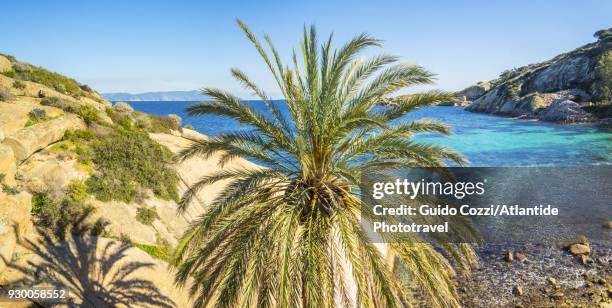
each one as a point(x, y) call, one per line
point(485, 139)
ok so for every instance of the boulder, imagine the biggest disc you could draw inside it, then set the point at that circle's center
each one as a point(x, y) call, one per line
point(473, 92)
point(580, 249)
point(192, 134)
point(5, 64)
point(13, 117)
point(28, 140)
point(564, 111)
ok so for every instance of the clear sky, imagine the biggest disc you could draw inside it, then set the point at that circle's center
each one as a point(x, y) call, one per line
point(138, 46)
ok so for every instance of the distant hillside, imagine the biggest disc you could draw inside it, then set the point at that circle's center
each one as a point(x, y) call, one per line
point(155, 96)
point(573, 87)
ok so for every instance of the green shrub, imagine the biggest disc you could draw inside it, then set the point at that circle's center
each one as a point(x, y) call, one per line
point(146, 215)
point(2, 176)
point(77, 135)
point(60, 83)
point(56, 215)
point(129, 160)
point(161, 124)
point(36, 116)
point(189, 126)
point(126, 239)
point(6, 96)
point(89, 114)
point(18, 84)
point(8, 189)
point(39, 201)
point(603, 73)
point(57, 102)
point(123, 107)
point(77, 191)
point(109, 112)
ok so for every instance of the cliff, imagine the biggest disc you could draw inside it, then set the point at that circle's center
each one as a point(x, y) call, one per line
point(70, 160)
point(572, 87)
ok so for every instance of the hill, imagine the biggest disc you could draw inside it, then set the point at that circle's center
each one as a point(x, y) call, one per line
point(155, 96)
point(572, 87)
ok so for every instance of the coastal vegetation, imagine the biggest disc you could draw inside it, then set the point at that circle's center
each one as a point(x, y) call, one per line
point(301, 211)
point(129, 160)
point(27, 72)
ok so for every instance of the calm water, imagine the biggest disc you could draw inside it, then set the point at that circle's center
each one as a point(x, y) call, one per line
point(486, 140)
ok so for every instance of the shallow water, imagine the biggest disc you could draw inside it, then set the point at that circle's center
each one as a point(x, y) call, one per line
point(485, 139)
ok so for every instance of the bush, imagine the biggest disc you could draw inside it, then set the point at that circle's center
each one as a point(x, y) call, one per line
point(89, 114)
point(146, 215)
point(17, 84)
point(128, 161)
point(161, 124)
point(123, 107)
point(10, 190)
point(603, 73)
point(176, 119)
point(77, 191)
point(85, 88)
point(109, 112)
point(53, 80)
point(57, 102)
point(36, 116)
point(189, 126)
point(58, 214)
point(6, 96)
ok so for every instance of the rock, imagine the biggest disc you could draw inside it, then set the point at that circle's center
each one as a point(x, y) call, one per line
point(192, 134)
point(608, 225)
point(579, 249)
point(15, 222)
point(517, 290)
point(7, 164)
point(540, 90)
point(13, 117)
point(473, 92)
point(509, 256)
point(585, 259)
point(520, 256)
point(564, 111)
point(5, 64)
point(553, 282)
point(28, 140)
point(580, 239)
point(557, 295)
point(562, 75)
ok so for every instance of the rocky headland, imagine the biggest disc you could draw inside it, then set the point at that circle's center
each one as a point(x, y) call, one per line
point(572, 87)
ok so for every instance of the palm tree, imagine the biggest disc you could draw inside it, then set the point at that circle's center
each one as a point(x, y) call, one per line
point(289, 234)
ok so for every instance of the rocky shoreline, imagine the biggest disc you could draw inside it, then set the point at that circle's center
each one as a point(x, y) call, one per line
point(539, 276)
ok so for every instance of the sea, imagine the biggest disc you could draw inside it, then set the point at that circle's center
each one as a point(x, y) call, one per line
point(486, 140)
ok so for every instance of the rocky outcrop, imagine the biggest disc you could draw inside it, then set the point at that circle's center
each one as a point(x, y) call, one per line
point(569, 88)
point(26, 141)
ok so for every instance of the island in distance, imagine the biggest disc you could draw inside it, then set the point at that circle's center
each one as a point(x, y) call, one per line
point(155, 96)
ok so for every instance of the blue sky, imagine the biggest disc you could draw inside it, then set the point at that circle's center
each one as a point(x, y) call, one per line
point(138, 46)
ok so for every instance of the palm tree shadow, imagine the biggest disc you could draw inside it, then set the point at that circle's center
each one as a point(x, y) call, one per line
point(90, 269)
